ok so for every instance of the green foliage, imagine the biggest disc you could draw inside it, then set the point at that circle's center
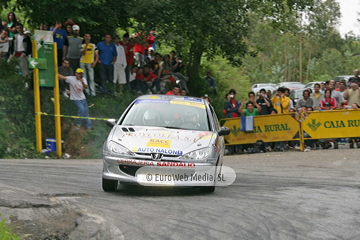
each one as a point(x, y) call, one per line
point(6, 232)
point(16, 114)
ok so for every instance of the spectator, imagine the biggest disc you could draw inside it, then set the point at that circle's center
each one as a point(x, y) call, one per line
point(342, 87)
point(264, 102)
point(69, 21)
point(306, 101)
point(129, 52)
point(107, 58)
point(172, 56)
point(65, 70)
point(22, 48)
point(72, 46)
point(268, 94)
point(183, 92)
point(322, 87)
point(139, 50)
point(44, 27)
point(274, 111)
point(4, 44)
point(88, 62)
point(11, 27)
point(166, 73)
point(77, 84)
point(175, 90)
point(155, 64)
point(150, 55)
point(280, 102)
point(352, 94)
point(355, 78)
point(139, 79)
point(69, 29)
point(317, 96)
point(287, 94)
point(335, 94)
point(355, 106)
point(119, 65)
point(252, 108)
point(151, 78)
point(132, 78)
point(3, 25)
point(328, 102)
point(232, 106)
point(207, 98)
point(211, 81)
point(59, 37)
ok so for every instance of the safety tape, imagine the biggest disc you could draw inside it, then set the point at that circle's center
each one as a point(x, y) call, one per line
point(56, 115)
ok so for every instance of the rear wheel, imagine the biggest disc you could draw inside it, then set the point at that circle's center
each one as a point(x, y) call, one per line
point(109, 185)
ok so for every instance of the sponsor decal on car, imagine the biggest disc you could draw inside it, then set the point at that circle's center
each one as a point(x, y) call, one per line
point(152, 101)
point(162, 143)
point(157, 150)
point(193, 104)
point(158, 164)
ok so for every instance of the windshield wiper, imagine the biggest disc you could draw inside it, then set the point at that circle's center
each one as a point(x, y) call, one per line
point(172, 127)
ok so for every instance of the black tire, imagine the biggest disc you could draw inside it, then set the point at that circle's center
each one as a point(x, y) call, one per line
point(208, 189)
point(109, 185)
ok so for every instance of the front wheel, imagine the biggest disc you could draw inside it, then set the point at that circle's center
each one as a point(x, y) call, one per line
point(208, 189)
point(109, 185)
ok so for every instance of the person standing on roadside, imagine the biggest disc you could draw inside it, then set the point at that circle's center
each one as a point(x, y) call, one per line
point(129, 52)
point(59, 37)
point(72, 46)
point(119, 66)
point(77, 84)
point(107, 58)
point(355, 78)
point(280, 102)
point(65, 70)
point(317, 96)
point(264, 102)
point(232, 106)
point(22, 49)
point(88, 62)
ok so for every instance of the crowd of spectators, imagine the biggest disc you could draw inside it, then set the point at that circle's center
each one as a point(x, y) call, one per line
point(326, 96)
point(130, 63)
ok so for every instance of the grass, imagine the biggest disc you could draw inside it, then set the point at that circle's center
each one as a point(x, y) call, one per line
point(6, 233)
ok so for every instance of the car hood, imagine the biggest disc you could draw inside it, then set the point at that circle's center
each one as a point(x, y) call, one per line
point(158, 139)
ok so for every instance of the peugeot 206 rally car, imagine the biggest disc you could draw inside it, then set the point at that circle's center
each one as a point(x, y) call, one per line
point(159, 134)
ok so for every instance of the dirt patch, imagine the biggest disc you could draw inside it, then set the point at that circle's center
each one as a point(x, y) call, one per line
point(49, 224)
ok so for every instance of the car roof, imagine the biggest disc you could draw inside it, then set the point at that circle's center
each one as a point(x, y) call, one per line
point(173, 97)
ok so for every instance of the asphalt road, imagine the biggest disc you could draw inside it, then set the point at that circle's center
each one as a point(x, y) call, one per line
point(291, 195)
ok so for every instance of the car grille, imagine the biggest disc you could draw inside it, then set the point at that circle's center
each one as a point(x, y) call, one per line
point(164, 155)
point(131, 170)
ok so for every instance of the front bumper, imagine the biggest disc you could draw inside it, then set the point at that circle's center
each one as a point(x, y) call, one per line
point(164, 173)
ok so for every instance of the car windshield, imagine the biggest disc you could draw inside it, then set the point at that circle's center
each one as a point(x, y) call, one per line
point(168, 113)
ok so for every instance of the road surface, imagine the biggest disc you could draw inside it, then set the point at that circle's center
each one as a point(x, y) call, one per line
point(290, 195)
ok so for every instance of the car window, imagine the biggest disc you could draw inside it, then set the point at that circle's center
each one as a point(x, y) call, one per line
point(166, 113)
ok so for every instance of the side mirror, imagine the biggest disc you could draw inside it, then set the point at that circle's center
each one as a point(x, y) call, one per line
point(224, 131)
point(111, 122)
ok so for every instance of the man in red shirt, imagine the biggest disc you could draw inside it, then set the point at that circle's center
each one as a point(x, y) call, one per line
point(129, 52)
point(175, 91)
point(151, 77)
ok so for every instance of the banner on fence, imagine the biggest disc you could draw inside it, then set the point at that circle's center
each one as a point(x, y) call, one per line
point(332, 124)
point(269, 128)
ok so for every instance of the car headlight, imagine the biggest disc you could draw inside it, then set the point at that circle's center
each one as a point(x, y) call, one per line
point(116, 149)
point(198, 154)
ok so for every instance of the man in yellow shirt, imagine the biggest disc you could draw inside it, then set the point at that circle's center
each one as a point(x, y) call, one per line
point(280, 102)
point(88, 62)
